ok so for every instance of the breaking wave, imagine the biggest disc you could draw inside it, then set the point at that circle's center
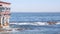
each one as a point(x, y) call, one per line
point(36, 23)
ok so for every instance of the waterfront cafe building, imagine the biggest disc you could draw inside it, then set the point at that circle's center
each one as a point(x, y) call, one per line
point(4, 14)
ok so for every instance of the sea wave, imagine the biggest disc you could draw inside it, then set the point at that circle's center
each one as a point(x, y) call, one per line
point(36, 23)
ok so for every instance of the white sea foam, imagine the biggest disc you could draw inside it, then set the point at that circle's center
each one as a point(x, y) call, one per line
point(36, 23)
point(41, 23)
point(58, 23)
point(24, 23)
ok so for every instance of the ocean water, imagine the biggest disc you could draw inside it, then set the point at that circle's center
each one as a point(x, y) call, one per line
point(32, 18)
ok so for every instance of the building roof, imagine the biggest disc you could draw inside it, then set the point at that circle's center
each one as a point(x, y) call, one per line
point(5, 2)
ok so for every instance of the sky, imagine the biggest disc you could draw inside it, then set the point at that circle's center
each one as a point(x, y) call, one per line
point(34, 5)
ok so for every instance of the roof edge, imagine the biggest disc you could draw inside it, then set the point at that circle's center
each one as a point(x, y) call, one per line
point(5, 2)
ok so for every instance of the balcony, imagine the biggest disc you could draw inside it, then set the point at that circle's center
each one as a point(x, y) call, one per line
point(5, 13)
point(2, 9)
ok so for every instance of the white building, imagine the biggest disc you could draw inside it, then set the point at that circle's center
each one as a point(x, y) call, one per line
point(4, 14)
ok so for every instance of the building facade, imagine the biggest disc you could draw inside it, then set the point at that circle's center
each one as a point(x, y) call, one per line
point(4, 14)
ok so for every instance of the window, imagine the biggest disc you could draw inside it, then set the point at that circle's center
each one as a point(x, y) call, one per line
point(7, 8)
point(0, 5)
point(2, 9)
